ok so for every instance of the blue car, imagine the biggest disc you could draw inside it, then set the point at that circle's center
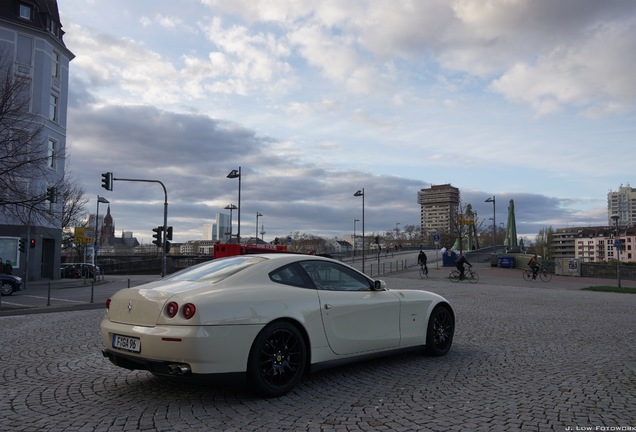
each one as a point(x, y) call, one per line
point(9, 284)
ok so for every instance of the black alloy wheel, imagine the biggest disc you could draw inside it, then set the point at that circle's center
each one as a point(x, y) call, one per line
point(278, 359)
point(440, 331)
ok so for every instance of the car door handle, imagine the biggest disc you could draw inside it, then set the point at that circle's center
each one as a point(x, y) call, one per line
point(328, 306)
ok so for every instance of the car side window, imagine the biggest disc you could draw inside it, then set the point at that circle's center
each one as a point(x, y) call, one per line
point(335, 277)
point(289, 275)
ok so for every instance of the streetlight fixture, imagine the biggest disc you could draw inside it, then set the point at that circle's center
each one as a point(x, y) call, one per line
point(102, 200)
point(354, 239)
point(232, 175)
point(257, 216)
point(230, 207)
point(617, 247)
point(360, 192)
point(494, 222)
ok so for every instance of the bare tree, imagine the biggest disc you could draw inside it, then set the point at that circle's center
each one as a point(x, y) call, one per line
point(74, 213)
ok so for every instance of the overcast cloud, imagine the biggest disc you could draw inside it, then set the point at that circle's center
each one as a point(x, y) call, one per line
point(526, 100)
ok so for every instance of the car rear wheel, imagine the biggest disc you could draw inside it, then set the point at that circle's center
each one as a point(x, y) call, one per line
point(6, 289)
point(278, 359)
point(440, 331)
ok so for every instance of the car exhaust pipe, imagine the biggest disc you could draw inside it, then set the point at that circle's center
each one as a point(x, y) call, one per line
point(179, 369)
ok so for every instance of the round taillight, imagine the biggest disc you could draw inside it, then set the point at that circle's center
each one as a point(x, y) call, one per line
point(171, 309)
point(108, 304)
point(189, 310)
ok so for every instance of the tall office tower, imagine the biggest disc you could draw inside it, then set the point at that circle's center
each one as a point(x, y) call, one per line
point(438, 205)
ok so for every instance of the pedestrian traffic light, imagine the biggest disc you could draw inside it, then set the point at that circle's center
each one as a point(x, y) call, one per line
point(21, 245)
point(166, 246)
point(157, 236)
point(32, 243)
point(107, 181)
point(169, 233)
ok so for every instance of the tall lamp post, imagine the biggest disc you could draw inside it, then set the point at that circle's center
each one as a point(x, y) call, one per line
point(617, 247)
point(257, 216)
point(494, 222)
point(354, 239)
point(360, 192)
point(230, 207)
point(103, 200)
point(232, 175)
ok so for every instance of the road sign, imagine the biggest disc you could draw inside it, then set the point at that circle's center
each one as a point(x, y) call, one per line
point(436, 239)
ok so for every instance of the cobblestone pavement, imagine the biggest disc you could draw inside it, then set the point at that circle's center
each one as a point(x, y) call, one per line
point(526, 356)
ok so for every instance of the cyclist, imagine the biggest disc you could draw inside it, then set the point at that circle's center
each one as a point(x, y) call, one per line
point(460, 266)
point(534, 266)
point(421, 260)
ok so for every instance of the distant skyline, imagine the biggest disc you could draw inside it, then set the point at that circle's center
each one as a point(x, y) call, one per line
point(315, 99)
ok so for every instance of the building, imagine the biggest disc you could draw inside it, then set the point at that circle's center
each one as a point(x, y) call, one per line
point(594, 244)
point(438, 205)
point(623, 204)
point(34, 55)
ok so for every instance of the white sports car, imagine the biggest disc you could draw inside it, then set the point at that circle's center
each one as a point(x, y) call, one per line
point(270, 318)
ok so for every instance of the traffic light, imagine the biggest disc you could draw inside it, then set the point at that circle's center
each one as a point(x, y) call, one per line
point(107, 181)
point(21, 245)
point(166, 246)
point(51, 194)
point(32, 243)
point(169, 233)
point(157, 236)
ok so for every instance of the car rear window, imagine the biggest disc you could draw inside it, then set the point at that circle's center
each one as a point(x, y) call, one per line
point(215, 270)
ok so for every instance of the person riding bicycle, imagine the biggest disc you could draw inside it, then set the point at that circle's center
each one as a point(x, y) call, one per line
point(460, 266)
point(534, 266)
point(421, 260)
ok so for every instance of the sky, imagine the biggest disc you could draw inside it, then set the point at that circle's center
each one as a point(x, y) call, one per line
point(532, 101)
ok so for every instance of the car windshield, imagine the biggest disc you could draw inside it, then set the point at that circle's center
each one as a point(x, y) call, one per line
point(215, 270)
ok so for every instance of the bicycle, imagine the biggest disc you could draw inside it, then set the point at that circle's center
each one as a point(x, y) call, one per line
point(543, 274)
point(423, 271)
point(469, 274)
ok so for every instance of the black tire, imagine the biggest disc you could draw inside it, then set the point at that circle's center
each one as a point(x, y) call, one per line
point(545, 276)
point(423, 273)
point(472, 277)
point(6, 289)
point(278, 360)
point(454, 276)
point(527, 275)
point(440, 331)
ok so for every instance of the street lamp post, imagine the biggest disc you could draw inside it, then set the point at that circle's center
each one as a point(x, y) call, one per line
point(494, 222)
point(232, 175)
point(257, 216)
point(230, 207)
point(360, 192)
point(354, 239)
point(103, 200)
point(617, 247)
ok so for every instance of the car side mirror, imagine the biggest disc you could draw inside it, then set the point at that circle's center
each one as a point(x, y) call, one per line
point(379, 285)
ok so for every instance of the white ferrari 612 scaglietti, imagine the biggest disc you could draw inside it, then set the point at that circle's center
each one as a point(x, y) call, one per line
point(270, 318)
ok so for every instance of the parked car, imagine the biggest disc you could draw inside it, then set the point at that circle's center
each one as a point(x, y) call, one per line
point(9, 284)
point(79, 270)
point(269, 318)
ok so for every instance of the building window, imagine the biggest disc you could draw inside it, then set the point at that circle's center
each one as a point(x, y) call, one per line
point(52, 153)
point(55, 65)
point(53, 108)
point(26, 11)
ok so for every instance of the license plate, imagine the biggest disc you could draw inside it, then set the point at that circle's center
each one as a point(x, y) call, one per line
point(127, 343)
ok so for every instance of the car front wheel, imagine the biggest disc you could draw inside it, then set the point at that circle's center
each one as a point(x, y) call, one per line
point(278, 359)
point(440, 331)
point(6, 289)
